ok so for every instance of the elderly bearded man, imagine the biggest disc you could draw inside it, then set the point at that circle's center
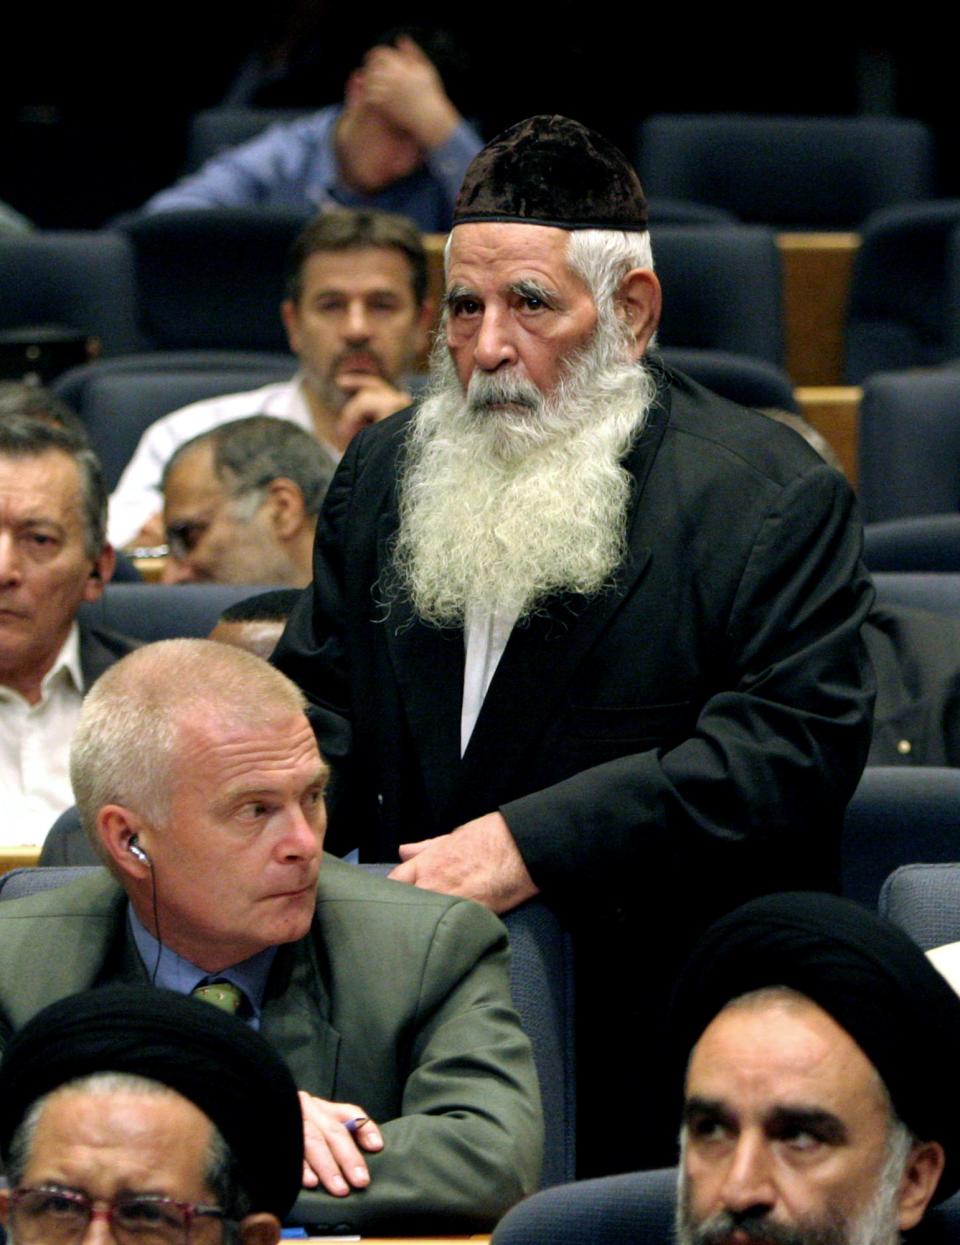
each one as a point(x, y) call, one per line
point(578, 625)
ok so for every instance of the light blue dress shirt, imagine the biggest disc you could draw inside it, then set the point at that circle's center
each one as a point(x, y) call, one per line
point(175, 973)
point(294, 164)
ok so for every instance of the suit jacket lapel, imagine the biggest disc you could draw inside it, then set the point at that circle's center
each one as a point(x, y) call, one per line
point(428, 665)
point(295, 1017)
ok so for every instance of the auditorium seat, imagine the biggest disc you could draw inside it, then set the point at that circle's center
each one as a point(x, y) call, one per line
point(164, 611)
point(929, 542)
point(82, 281)
point(119, 399)
point(810, 173)
point(216, 129)
point(910, 444)
point(751, 382)
point(924, 900)
point(212, 279)
point(722, 289)
point(939, 593)
point(897, 316)
point(898, 815)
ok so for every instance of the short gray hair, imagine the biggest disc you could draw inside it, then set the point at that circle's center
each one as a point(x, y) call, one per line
point(30, 436)
point(125, 746)
point(221, 1172)
point(248, 454)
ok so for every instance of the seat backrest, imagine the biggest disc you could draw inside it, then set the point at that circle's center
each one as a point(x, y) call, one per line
point(789, 172)
point(212, 279)
point(898, 815)
point(216, 129)
point(164, 611)
point(924, 900)
point(82, 281)
point(118, 405)
point(722, 289)
point(635, 1209)
point(542, 986)
point(920, 590)
point(751, 382)
point(929, 543)
point(897, 316)
point(909, 447)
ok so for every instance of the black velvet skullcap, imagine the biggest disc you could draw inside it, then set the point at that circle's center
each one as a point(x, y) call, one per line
point(209, 1057)
point(867, 974)
point(552, 171)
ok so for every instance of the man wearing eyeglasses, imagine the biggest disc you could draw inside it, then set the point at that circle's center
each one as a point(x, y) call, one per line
point(240, 504)
point(171, 1121)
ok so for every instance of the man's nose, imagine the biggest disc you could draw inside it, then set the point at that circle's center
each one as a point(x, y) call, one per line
point(98, 1229)
point(495, 345)
point(10, 569)
point(357, 328)
point(749, 1181)
point(301, 837)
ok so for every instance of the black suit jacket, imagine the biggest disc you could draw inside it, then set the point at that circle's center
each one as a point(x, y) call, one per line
point(706, 717)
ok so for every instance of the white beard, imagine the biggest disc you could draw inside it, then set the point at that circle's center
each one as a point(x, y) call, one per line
point(502, 508)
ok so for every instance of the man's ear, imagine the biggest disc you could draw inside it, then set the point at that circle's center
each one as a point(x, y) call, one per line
point(260, 1229)
point(638, 300)
point(285, 507)
point(920, 1178)
point(116, 827)
point(4, 1207)
point(101, 573)
point(290, 315)
point(426, 322)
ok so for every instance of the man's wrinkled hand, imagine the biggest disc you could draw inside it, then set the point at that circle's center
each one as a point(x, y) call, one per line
point(403, 84)
point(332, 1151)
point(371, 398)
point(479, 860)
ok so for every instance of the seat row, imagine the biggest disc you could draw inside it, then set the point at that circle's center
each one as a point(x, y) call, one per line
point(213, 280)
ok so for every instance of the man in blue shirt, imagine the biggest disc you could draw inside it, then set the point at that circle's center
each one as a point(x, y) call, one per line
point(397, 143)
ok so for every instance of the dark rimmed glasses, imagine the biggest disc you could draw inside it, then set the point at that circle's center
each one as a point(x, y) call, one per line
point(48, 1215)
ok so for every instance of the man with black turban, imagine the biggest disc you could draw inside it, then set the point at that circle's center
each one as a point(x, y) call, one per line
point(820, 1105)
point(579, 626)
point(165, 1114)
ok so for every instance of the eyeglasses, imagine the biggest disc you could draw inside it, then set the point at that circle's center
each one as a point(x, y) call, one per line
point(48, 1215)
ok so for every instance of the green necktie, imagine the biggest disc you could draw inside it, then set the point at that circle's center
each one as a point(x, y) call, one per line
point(223, 994)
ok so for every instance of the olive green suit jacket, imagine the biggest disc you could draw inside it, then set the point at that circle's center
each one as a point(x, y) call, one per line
point(397, 1000)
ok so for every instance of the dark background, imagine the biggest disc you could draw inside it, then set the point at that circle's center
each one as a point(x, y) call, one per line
point(94, 101)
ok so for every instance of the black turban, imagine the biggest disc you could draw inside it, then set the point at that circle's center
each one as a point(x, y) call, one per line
point(216, 1061)
point(552, 171)
point(867, 974)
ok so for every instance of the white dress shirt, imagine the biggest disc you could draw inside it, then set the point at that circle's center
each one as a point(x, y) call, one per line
point(35, 749)
point(137, 496)
point(485, 636)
